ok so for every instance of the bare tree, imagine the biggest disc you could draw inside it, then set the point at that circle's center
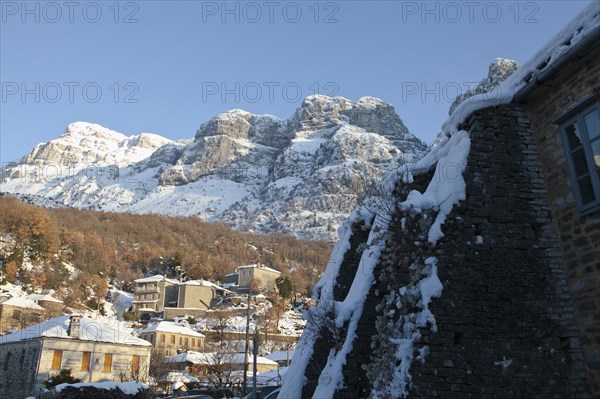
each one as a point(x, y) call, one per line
point(219, 370)
point(218, 322)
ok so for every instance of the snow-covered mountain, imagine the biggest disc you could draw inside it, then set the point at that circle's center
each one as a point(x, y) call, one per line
point(255, 172)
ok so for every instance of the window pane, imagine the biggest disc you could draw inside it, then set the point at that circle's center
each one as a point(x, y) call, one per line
point(596, 151)
point(573, 136)
point(85, 361)
point(56, 360)
point(579, 162)
point(107, 363)
point(592, 124)
point(586, 190)
point(135, 364)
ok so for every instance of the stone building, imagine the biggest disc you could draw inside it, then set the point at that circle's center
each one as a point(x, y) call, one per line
point(18, 313)
point(225, 363)
point(263, 276)
point(171, 338)
point(92, 350)
point(153, 294)
point(54, 306)
point(502, 300)
point(168, 298)
point(199, 294)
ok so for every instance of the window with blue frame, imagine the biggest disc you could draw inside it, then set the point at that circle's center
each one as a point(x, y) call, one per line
point(580, 132)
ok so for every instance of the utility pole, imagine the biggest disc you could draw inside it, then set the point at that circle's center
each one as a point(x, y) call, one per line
point(255, 353)
point(244, 388)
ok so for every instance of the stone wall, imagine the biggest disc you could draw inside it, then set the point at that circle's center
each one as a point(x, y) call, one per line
point(72, 359)
point(505, 319)
point(579, 236)
point(17, 317)
point(195, 296)
point(18, 366)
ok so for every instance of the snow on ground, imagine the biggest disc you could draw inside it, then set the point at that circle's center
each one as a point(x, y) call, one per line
point(14, 291)
point(121, 301)
point(129, 387)
point(203, 196)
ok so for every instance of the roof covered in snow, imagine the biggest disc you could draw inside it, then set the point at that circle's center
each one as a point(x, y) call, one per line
point(208, 358)
point(278, 356)
point(171, 327)
point(204, 283)
point(156, 278)
point(22, 303)
point(43, 297)
point(89, 330)
point(568, 41)
point(263, 267)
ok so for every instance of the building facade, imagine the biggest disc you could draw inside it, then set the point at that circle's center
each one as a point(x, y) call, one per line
point(92, 350)
point(564, 108)
point(19, 313)
point(171, 338)
point(263, 276)
point(516, 269)
point(199, 294)
point(153, 294)
point(167, 298)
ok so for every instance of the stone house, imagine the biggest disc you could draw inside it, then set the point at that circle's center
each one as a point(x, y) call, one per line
point(92, 350)
point(199, 294)
point(54, 306)
point(160, 296)
point(153, 294)
point(563, 108)
point(204, 363)
point(262, 275)
point(171, 338)
point(505, 302)
point(18, 313)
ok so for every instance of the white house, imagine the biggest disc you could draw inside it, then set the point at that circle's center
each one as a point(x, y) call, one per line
point(92, 350)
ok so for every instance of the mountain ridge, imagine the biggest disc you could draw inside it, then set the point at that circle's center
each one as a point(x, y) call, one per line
point(302, 175)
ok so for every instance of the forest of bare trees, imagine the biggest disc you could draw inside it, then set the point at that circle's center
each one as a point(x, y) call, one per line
point(39, 245)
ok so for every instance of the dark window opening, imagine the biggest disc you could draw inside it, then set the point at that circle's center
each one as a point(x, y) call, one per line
point(580, 130)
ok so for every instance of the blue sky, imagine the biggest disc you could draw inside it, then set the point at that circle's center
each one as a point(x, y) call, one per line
point(165, 67)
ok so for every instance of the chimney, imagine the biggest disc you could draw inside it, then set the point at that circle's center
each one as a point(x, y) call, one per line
point(74, 326)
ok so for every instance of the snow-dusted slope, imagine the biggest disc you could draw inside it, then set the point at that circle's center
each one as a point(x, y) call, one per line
point(256, 172)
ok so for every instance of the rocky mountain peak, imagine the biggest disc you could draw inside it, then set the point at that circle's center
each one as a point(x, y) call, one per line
point(319, 112)
point(498, 71)
point(302, 175)
point(79, 130)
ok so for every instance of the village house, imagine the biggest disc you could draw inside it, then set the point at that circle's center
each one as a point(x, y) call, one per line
point(171, 338)
point(206, 363)
point(153, 294)
point(263, 276)
point(199, 294)
point(92, 350)
point(283, 358)
point(54, 306)
point(18, 313)
point(563, 105)
point(168, 298)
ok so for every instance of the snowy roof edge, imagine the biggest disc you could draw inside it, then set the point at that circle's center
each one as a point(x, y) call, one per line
point(567, 43)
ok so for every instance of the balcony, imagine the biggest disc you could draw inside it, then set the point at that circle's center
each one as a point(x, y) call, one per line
point(146, 290)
